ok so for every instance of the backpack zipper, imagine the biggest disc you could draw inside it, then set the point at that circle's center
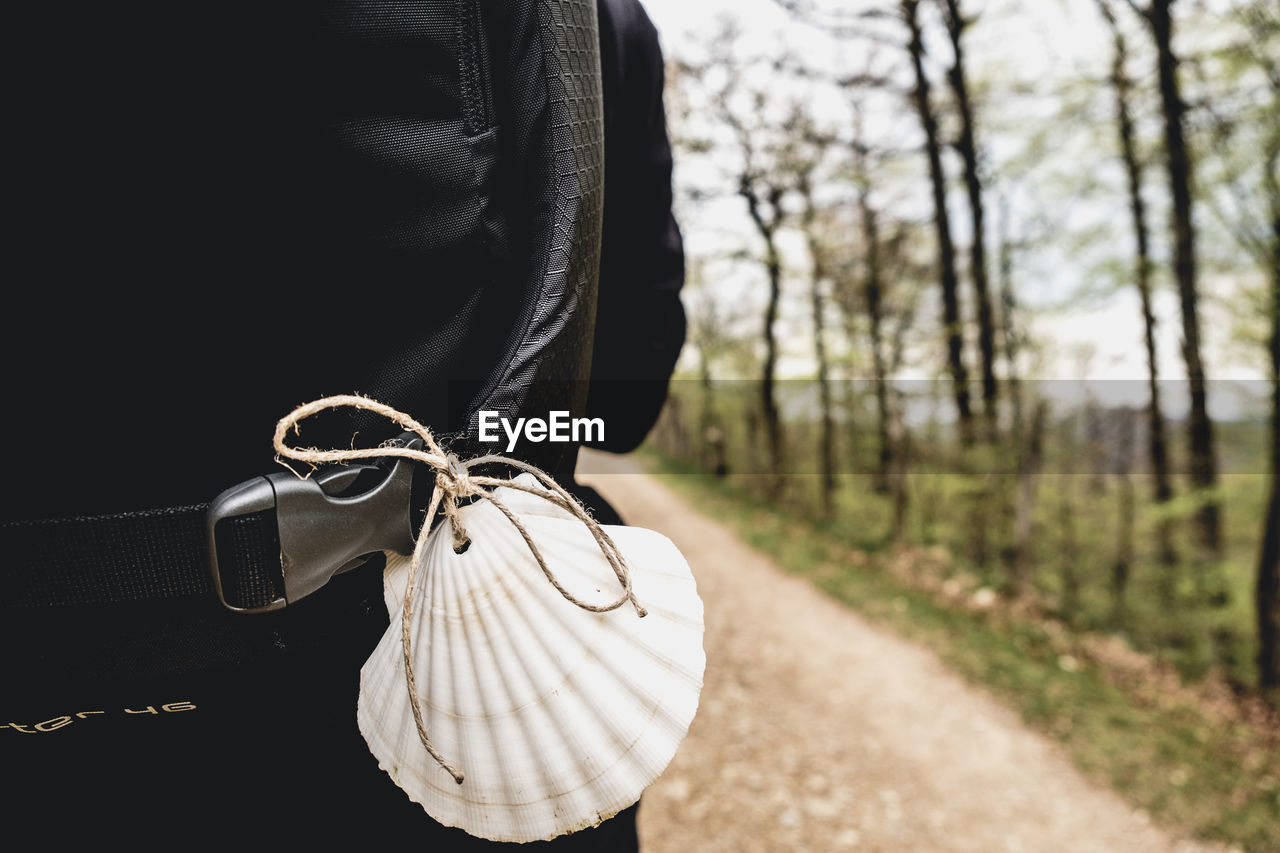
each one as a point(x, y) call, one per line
point(473, 66)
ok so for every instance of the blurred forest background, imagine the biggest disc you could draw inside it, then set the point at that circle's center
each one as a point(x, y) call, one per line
point(995, 285)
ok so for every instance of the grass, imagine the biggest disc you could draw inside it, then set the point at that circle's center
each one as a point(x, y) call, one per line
point(1198, 760)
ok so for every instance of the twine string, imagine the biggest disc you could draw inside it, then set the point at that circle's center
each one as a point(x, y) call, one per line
point(454, 483)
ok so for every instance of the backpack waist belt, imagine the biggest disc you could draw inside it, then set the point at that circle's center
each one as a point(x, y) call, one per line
point(259, 546)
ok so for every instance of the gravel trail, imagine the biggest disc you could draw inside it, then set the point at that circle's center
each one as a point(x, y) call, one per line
point(819, 732)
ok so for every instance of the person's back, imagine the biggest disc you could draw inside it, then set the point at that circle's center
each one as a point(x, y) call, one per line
point(226, 213)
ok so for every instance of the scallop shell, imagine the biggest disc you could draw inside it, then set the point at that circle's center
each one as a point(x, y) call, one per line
point(559, 717)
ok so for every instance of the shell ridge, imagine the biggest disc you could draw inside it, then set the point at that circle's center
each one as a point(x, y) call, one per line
point(589, 631)
point(379, 728)
point(443, 805)
point(532, 813)
point(448, 721)
point(474, 795)
point(444, 728)
point(641, 632)
point(624, 679)
point(533, 590)
point(517, 810)
point(425, 773)
point(517, 668)
point(661, 656)
point(499, 658)
point(569, 662)
point(656, 704)
point(565, 659)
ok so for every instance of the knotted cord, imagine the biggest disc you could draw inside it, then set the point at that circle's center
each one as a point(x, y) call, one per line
point(454, 482)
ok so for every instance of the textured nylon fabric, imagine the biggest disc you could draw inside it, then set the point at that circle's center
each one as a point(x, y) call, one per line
point(142, 556)
point(137, 556)
point(145, 556)
point(249, 559)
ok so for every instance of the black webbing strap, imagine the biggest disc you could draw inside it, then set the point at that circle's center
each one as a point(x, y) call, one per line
point(137, 556)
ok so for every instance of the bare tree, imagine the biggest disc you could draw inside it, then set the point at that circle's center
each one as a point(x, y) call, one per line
point(1267, 594)
point(1122, 562)
point(873, 299)
point(1157, 444)
point(899, 434)
point(1069, 540)
point(967, 146)
point(709, 334)
point(813, 149)
point(1203, 461)
point(922, 99)
point(1027, 446)
point(762, 185)
point(764, 203)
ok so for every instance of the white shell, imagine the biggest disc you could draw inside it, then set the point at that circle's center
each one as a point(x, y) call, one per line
point(558, 717)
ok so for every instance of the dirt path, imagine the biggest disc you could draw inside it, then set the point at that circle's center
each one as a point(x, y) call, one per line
point(818, 732)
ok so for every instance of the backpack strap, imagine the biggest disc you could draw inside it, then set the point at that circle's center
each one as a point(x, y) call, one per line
point(138, 556)
point(261, 545)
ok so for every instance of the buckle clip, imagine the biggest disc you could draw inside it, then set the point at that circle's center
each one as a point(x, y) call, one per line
point(327, 524)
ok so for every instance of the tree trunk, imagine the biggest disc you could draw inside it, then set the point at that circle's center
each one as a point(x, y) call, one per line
point(968, 148)
point(1267, 596)
point(673, 438)
point(768, 395)
point(827, 437)
point(1069, 543)
point(873, 292)
point(849, 405)
point(850, 398)
point(1030, 451)
point(1157, 441)
point(767, 227)
point(946, 248)
point(1019, 561)
point(1268, 587)
point(827, 440)
point(1203, 465)
point(1008, 305)
point(712, 436)
point(1122, 564)
point(898, 474)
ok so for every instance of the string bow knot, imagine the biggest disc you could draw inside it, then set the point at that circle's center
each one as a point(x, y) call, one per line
point(454, 482)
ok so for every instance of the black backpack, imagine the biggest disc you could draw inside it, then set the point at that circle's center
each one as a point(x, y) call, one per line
point(229, 211)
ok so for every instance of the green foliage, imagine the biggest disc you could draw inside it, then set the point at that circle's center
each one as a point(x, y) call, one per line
point(1196, 764)
point(1196, 614)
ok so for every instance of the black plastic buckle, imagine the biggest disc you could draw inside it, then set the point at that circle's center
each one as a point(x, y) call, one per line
point(328, 524)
